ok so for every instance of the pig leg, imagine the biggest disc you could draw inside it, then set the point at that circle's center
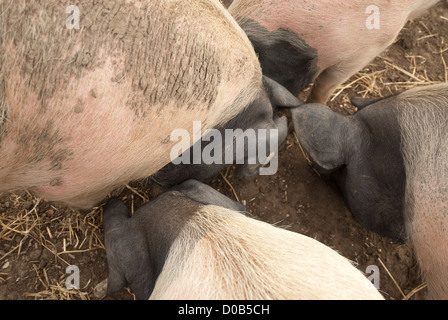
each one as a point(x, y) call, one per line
point(333, 76)
point(326, 83)
point(115, 220)
point(126, 251)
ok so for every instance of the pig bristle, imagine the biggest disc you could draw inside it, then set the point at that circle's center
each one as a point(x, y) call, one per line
point(423, 118)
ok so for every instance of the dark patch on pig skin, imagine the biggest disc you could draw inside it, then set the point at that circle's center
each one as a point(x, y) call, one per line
point(4, 111)
point(283, 55)
point(56, 182)
point(42, 143)
point(362, 154)
point(3, 119)
point(79, 108)
point(166, 140)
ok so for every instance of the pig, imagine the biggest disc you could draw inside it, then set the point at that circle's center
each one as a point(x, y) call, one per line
point(192, 242)
point(344, 35)
point(390, 160)
point(259, 115)
point(80, 80)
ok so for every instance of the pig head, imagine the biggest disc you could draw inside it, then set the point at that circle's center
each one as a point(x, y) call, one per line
point(137, 247)
point(390, 161)
point(362, 152)
point(261, 114)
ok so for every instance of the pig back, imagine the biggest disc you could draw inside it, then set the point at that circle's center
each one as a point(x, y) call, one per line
point(90, 92)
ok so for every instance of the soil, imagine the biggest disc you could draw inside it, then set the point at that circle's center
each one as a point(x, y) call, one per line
point(38, 239)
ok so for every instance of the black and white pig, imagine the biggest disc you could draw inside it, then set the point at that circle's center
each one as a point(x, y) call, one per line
point(192, 243)
point(83, 78)
point(341, 37)
point(390, 161)
point(256, 136)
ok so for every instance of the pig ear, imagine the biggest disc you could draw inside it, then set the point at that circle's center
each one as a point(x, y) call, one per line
point(115, 213)
point(323, 135)
point(116, 280)
point(361, 103)
point(279, 95)
point(202, 193)
point(115, 216)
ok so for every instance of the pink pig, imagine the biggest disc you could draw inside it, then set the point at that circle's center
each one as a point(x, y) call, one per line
point(346, 35)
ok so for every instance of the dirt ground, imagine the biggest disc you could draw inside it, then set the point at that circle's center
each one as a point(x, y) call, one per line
point(38, 239)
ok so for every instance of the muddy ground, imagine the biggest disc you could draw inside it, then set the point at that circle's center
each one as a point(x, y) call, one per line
point(38, 239)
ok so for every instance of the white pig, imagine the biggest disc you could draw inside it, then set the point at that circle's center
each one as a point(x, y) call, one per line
point(191, 243)
point(346, 35)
